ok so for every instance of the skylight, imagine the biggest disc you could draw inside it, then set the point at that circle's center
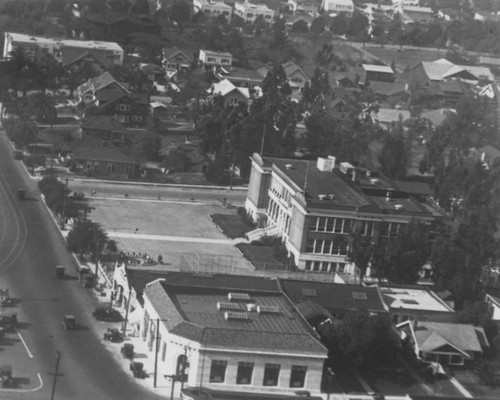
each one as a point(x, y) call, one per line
point(309, 292)
point(268, 309)
point(359, 296)
point(225, 305)
point(238, 296)
point(230, 315)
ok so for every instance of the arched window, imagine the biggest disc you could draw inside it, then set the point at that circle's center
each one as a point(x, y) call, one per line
point(182, 368)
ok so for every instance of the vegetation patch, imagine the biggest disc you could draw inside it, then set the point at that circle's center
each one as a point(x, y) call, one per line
point(233, 226)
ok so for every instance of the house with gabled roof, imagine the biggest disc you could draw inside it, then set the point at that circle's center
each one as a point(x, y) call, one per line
point(99, 90)
point(440, 117)
point(297, 78)
point(442, 69)
point(372, 72)
point(444, 343)
point(104, 161)
point(175, 59)
point(232, 95)
point(242, 337)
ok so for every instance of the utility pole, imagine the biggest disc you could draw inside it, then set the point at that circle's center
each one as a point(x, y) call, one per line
point(63, 221)
point(263, 140)
point(124, 330)
point(52, 394)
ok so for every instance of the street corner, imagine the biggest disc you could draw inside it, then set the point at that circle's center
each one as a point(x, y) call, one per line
point(18, 371)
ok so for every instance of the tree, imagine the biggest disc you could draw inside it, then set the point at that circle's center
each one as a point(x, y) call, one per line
point(318, 26)
point(43, 106)
point(55, 193)
point(339, 24)
point(364, 340)
point(358, 25)
point(279, 36)
point(300, 26)
point(20, 131)
point(140, 7)
point(20, 66)
point(176, 160)
point(395, 31)
point(394, 155)
point(180, 12)
point(147, 145)
point(87, 237)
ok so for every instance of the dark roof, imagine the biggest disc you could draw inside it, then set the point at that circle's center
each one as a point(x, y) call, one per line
point(333, 296)
point(414, 188)
point(388, 88)
point(169, 52)
point(202, 393)
point(191, 311)
point(107, 154)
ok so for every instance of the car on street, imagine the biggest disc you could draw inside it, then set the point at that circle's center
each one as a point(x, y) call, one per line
point(107, 314)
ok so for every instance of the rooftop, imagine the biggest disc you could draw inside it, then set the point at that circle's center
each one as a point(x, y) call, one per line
point(387, 115)
point(439, 116)
point(413, 299)
point(221, 317)
point(388, 88)
point(217, 53)
point(377, 68)
point(334, 296)
point(84, 44)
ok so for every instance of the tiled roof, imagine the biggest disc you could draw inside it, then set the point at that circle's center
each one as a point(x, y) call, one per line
point(414, 188)
point(432, 335)
point(192, 312)
point(334, 296)
point(106, 154)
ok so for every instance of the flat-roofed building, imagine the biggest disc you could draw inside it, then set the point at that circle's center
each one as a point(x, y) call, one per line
point(315, 206)
point(213, 58)
point(372, 72)
point(249, 12)
point(415, 303)
point(337, 6)
point(235, 334)
point(66, 51)
point(213, 8)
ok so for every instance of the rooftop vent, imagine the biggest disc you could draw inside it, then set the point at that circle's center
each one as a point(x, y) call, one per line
point(331, 196)
point(268, 310)
point(238, 296)
point(250, 307)
point(409, 301)
point(322, 196)
point(224, 305)
point(309, 292)
point(230, 315)
point(326, 164)
point(359, 296)
point(288, 166)
point(398, 206)
point(374, 181)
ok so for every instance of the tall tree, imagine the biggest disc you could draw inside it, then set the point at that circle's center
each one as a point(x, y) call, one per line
point(394, 155)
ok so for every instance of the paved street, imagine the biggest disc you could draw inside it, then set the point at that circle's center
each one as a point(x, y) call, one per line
point(30, 246)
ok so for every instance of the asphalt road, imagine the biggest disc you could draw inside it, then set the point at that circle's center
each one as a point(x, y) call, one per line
point(30, 247)
point(155, 192)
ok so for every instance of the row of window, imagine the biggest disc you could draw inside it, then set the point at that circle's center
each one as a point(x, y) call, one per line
point(335, 225)
point(244, 374)
point(214, 60)
point(329, 247)
point(324, 266)
point(124, 119)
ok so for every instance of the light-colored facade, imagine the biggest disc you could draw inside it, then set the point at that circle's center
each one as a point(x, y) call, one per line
point(314, 210)
point(249, 12)
point(213, 8)
point(208, 57)
point(338, 6)
point(264, 347)
point(108, 52)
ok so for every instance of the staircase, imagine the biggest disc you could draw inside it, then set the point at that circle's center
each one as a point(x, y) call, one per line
point(256, 234)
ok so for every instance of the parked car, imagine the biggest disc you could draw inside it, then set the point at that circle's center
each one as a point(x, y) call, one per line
point(106, 314)
point(69, 322)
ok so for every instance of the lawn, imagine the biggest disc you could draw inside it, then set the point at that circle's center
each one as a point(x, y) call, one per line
point(231, 225)
point(263, 257)
point(471, 381)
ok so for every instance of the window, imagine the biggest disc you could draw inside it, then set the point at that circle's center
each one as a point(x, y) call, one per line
point(298, 376)
point(456, 360)
point(121, 118)
point(111, 167)
point(310, 246)
point(321, 224)
point(271, 374)
point(367, 228)
point(384, 229)
point(313, 224)
point(330, 222)
point(164, 351)
point(218, 371)
point(244, 374)
point(339, 225)
point(318, 246)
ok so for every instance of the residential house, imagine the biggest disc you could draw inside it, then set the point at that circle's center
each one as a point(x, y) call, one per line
point(393, 92)
point(215, 58)
point(337, 6)
point(442, 69)
point(241, 77)
point(445, 343)
point(449, 14)
point(419, 303)
point(489, 61)
point(104, 161)
point(388, 117)
point(296, 76)
point(441, 117)
point(250, 11)
point(484, 16)
point(338, 109)
point(343, 79)
point(304, 6)
point(104, 129)
point(152, 71)
point(371, 72)
point(232, 95)
point(422, 15)
point(175, 59)
point(98, 91)
point(129, 109)
point(237, 335)
point(492, 299)
point(336, 298)
point(292, 19)
point(314, 208)
point(490, 156)
point(213, 8)
point(66, 51)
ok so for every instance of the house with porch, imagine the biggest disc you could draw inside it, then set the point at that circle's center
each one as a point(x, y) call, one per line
point(175, 59)
point(446, 343)
point(232, 95)
point(104, 162)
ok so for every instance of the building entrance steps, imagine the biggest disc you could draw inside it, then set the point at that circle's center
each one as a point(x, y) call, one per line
point(259, 233)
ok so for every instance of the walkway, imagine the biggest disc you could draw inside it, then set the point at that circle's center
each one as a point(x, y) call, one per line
point(183, 239)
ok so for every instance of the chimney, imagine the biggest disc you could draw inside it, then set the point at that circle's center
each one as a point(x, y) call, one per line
point(326, 164)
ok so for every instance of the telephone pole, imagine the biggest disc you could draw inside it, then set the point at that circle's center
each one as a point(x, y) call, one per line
point(56, 373)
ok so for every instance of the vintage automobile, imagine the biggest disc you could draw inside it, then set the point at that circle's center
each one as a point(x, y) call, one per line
point(8, 320)
point(6, 376)
point(59, 272)
point(113, 335)
point(127, 351)
point(69, 322)
point(107, 314)
point(137, 369)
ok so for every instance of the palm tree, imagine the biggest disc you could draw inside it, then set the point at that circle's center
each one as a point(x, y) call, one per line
point(20, 67)
point(43, 107)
